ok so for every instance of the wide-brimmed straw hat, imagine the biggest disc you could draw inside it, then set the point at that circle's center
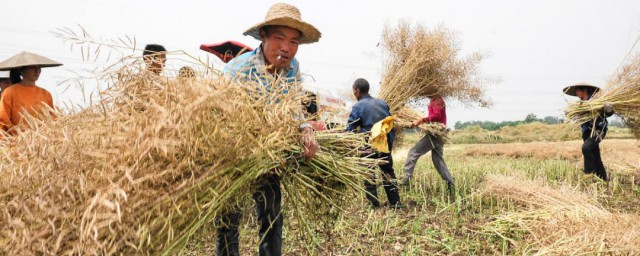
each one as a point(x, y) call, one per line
point(571, 90)
point(26, 59)
point(286, 15)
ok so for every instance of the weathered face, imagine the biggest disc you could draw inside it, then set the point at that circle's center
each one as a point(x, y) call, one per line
point(280, 45)
point(155, 62)
point(31, 73)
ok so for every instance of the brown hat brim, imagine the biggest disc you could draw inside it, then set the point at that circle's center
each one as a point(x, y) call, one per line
point(27, 59)
point(310, 34)
point(571, 90)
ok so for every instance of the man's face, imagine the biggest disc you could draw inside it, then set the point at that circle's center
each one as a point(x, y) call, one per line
point(155, 62)
point(356, 93)
point(31, 73)
point(280, 45)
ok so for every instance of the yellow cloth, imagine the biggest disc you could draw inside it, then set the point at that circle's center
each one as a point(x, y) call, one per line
point(379, 134)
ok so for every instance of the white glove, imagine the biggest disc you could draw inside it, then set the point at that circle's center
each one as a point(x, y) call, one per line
point(608, 107)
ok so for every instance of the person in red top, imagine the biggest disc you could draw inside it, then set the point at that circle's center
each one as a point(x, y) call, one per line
point(437, 114)
point(24, 97)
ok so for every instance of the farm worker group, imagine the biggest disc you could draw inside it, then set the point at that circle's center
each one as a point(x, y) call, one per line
point(280, 34)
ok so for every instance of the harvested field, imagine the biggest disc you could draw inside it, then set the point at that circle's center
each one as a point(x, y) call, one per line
point(561, 220)
point(483, 222)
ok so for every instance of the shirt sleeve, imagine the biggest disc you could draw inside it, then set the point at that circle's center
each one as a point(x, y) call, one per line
point(355, 119)
point(5, 110)
point(297, 73)
point(50, 104)
point(231, 69)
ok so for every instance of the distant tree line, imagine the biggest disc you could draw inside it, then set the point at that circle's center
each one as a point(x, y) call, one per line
point(530, 118)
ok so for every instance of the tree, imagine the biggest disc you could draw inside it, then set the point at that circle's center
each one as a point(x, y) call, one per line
point(551, 120)
point(531, 118)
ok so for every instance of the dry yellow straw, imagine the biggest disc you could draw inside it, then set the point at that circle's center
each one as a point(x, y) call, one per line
point(622, 91)
point(419, 63)
point(560, 221)
point(154, 160)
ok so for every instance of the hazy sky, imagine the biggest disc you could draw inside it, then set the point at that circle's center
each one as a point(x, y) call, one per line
point(535, 47)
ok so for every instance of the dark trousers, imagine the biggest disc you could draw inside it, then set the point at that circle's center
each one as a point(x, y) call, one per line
point(592, 159)
point(268, 199)
point(388, 182)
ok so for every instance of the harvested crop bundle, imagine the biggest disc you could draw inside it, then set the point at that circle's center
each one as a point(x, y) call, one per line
point(406, 115)
point(622, 92)
point(420, 63)
point(154, 160)
point(560, 220)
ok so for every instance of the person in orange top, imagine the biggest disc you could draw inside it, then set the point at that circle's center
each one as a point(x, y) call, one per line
point(24, 97)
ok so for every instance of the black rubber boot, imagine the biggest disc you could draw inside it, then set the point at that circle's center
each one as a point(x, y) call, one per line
point(451, 190)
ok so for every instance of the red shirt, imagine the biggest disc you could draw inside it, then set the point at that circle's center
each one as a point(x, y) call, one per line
point(437, 111)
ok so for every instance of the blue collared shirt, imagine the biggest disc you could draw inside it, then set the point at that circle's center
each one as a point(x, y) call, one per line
point(368, 111)
point(253, 66)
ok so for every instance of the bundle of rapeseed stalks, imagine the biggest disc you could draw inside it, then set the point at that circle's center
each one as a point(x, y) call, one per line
point(419, 63)
point(155, 159)
point(622, 91)
point(437, 130)
point(561, 221)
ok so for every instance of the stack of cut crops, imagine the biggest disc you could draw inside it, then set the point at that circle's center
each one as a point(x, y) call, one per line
point(422, 63)
point(622, 91)
point(140, 171)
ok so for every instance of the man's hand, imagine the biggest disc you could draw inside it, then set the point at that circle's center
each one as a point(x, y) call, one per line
point(416, 122)
point(608, 107)
point(309, 142)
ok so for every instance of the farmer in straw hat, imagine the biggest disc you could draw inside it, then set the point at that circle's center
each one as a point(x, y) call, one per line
point(593, 131)
point(437, 114)
point(280, 34)
point(25, 96)
point(365, 114)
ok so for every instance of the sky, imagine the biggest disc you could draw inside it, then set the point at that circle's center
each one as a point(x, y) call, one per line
point(533, 48)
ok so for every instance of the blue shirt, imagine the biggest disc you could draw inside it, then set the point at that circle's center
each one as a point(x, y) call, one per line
point(252, 66)
point(368, 111)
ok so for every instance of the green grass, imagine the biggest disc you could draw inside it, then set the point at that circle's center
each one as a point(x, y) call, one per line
point(430, 225)
point(527, 133)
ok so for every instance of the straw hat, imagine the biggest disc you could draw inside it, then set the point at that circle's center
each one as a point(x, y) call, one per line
point(571, 90)
point(286, 15)
point(25, 59)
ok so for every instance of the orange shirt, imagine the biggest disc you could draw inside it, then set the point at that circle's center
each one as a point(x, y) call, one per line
point(19, 98)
